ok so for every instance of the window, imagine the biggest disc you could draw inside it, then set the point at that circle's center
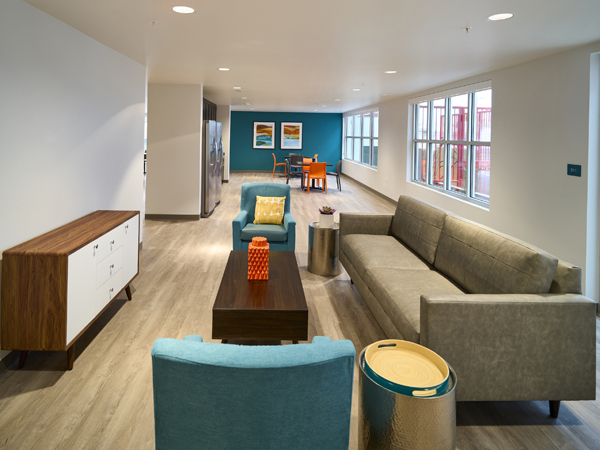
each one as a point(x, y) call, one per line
point(456, 129)
point(361, 137)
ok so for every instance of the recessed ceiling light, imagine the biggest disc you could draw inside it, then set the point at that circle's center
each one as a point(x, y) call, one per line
point(183, 9)
point(244, 98)
point(337, 99)
point(391, 71)
point(356, 89)
point(237, 88)
point(502, 16)
point(224, 69)
point(248, 104)
point(251, 109)
point(323, 106)
point(315, 110)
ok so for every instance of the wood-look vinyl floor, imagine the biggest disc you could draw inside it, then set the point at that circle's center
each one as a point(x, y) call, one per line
point(105, 402)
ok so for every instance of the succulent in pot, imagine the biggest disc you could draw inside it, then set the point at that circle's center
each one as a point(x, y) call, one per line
point(326, 217)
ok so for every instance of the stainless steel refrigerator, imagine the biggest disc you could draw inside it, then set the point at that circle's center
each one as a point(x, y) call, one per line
point(212, 160)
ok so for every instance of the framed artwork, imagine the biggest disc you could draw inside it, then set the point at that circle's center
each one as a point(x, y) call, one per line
point(264, 135)
point(291, 135)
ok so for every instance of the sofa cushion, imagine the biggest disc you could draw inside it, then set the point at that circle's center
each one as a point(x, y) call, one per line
point(567, 279)
point(484, 261)
point(418, 225)
point(273, 233)
point(399, 294)
point(368, 250)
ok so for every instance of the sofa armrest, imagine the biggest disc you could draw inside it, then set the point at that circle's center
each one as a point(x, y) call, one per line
point(238, 224)
point(514, 346)
point(290, 226)
point(365, 223)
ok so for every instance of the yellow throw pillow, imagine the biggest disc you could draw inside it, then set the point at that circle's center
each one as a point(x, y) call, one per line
point(269, 210)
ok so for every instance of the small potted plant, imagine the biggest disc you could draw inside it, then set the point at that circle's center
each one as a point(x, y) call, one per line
point(326, 217)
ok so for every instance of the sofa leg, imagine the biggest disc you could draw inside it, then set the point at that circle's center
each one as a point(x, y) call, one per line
point(351, 282)
point(554, 407)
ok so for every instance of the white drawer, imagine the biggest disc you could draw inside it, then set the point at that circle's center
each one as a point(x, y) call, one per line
point(109, 243)
point(109, 266)
point(108, 291)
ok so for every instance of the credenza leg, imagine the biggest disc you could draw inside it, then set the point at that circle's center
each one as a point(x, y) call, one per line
point(22, 358)
point(554, 407)
point(70, 357)
point(128, 292)
point(294, 342)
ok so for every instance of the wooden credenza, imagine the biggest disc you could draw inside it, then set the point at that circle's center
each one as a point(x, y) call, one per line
point(56, 285)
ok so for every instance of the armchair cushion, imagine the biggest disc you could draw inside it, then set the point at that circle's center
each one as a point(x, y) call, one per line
point(273, 233)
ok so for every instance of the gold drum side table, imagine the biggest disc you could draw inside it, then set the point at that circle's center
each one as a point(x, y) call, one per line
point(324, 250)
point(391, 421)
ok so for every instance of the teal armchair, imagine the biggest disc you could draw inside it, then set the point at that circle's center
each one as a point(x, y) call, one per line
point(279, 237)
point(222, 396)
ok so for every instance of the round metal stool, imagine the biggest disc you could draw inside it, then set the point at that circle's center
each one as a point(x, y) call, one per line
point(324, 250)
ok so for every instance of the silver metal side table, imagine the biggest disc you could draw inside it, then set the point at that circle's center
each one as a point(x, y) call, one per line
point(324, 250)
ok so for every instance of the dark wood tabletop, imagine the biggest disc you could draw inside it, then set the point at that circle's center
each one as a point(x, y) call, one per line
point(273, 309)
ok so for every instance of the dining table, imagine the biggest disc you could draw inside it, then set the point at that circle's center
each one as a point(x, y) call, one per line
point(301, 166)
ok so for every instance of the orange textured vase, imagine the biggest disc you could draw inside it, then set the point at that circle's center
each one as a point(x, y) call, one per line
point(258, 259)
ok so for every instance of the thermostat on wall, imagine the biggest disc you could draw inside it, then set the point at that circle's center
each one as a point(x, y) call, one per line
point(574, 170)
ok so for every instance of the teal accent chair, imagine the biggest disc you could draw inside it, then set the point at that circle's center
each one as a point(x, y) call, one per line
point(279, 237)
point(223, 396)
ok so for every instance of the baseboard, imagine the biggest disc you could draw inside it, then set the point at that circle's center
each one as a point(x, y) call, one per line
point(173, 216)
point(8, 362)
point(369, 188)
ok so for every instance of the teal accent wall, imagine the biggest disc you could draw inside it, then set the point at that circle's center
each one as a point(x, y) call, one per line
point(321, 133)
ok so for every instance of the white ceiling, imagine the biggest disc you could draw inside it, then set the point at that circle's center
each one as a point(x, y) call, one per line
point(299, 55)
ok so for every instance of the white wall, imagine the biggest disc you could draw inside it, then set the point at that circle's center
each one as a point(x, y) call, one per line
point(174, 149)
point(71, 125)
point(540, 123)
point(224, 116)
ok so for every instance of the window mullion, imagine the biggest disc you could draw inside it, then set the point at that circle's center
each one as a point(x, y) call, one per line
point(447, 147)
point(429, 146)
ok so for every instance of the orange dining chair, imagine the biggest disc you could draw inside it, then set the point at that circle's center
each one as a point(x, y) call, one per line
point(315, 157)
point(317, 171)
point(279, 164)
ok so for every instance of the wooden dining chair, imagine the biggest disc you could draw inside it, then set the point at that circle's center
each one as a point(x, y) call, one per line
point(279, 164)
point(315, 157)
point(317, 171)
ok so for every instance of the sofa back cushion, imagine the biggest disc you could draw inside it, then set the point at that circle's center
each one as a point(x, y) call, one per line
point(418, 224)
point(567, 279)
point(484, 261)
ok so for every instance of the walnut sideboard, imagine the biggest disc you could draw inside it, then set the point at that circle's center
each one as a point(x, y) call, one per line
point(56, 285)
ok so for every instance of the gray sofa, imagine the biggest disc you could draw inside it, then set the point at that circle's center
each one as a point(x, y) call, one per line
point(509, 317)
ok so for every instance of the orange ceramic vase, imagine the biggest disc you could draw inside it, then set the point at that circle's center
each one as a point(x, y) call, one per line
point(258, 259)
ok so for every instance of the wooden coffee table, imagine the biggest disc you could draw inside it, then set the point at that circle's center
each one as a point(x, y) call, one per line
point(273, 309)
